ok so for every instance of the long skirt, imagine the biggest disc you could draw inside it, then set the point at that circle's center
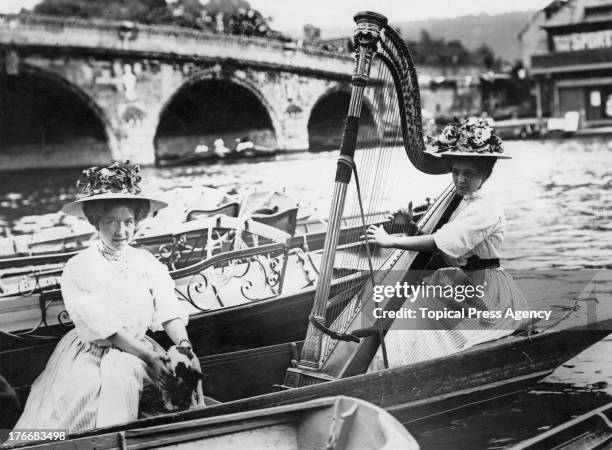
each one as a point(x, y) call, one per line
point(85, 386)
point(409, 342)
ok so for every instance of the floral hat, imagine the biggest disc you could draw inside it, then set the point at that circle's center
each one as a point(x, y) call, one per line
point(469, 137)
point(117, 181)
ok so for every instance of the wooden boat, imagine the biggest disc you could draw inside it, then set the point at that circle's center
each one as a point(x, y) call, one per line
point(29, 300)
point(341, 423)
point(245, 380)
point(340, 341)
point(268, 264)
point(285, 218)
point(589, 431)
point(255, 154)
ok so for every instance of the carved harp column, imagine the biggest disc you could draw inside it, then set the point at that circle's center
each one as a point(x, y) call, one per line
point(366, 37)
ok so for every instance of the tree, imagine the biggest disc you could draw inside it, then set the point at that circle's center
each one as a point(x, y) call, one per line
point(484, 55)
point(135, 10)
point(438, 52)
point(229, 16)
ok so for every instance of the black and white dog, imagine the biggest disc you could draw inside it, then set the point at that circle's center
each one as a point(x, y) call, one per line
point(184, 390)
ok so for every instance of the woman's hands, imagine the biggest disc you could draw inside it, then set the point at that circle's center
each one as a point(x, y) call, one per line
point(157, 363)
point(378, 235)
point(402, 221)
point(402, 217)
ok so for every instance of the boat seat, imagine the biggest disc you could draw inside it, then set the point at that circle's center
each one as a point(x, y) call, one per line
point(283, 220)
point(228, 209)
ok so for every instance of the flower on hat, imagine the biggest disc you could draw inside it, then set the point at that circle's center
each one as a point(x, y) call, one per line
point(116, 178)
point(449, 135)
point(471, 135)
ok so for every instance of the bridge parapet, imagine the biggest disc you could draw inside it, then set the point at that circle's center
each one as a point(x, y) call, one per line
point(115, 37)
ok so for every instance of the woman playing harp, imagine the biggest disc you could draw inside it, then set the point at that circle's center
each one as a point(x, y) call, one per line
point(471, 244)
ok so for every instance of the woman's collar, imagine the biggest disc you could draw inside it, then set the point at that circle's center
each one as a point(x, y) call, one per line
point(478, 193)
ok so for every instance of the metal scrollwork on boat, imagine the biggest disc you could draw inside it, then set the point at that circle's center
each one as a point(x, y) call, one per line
point(262, 282)
point(189, 248)
point(63, 318)
point(242, 276)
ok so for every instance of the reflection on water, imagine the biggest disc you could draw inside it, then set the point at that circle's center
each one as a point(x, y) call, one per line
point(558, 201)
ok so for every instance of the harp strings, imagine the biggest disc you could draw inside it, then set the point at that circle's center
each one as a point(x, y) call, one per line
point(380, 149)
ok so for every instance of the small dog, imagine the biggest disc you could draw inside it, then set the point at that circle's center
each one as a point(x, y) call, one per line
point(184, 390)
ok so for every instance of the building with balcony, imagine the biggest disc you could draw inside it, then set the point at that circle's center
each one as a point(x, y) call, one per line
point(567, 49)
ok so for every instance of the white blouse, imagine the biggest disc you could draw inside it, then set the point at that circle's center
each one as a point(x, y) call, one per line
point(103, 297)
point(476, 227)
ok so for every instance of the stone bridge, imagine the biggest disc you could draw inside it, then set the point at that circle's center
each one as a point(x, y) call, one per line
point(75, 92)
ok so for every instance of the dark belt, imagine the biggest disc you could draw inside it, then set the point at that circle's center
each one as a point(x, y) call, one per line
point(476, 263)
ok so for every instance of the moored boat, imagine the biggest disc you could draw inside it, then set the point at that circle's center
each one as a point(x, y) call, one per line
point(245, 380)
point(331, 422)
point(216, 263)
point(588, 431)
point(255, 154)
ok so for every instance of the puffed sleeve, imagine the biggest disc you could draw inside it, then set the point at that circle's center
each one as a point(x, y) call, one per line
point(85, 304)
point(468, 229)
point(167, 305)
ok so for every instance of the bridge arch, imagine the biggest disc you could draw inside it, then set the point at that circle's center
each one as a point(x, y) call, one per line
point(49, 121)
point(327, 116)
point(210, 106)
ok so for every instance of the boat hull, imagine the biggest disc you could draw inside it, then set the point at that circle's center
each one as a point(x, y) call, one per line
point(409, 393)
point(348, 423)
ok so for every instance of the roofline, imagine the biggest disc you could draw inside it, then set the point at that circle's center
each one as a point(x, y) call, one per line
point(572, 68)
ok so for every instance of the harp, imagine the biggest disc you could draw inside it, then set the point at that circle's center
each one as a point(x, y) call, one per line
point(385, 81)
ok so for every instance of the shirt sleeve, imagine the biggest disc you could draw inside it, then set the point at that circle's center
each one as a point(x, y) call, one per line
point(167, 305)
point(472, 226)
point(87, 307)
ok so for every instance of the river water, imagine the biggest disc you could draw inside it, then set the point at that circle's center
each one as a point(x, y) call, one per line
point(557, 196)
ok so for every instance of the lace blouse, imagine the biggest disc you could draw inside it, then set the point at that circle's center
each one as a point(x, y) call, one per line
point(104, 296)
point(476, 227)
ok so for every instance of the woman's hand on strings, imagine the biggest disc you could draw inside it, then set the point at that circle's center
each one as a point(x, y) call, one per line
point(402, 217)
point(377, 235)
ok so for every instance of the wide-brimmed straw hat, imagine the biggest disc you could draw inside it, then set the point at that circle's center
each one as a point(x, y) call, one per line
point(115, 182)
point(471, 137)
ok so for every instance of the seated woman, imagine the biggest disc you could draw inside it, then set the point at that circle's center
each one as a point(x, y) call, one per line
point(113, 293)
point(471, 243)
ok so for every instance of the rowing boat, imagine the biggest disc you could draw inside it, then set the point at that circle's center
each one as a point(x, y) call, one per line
point(588, 432)
point(211, 272)
point(247, 380)
point(340, 423)
point(256, 154)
